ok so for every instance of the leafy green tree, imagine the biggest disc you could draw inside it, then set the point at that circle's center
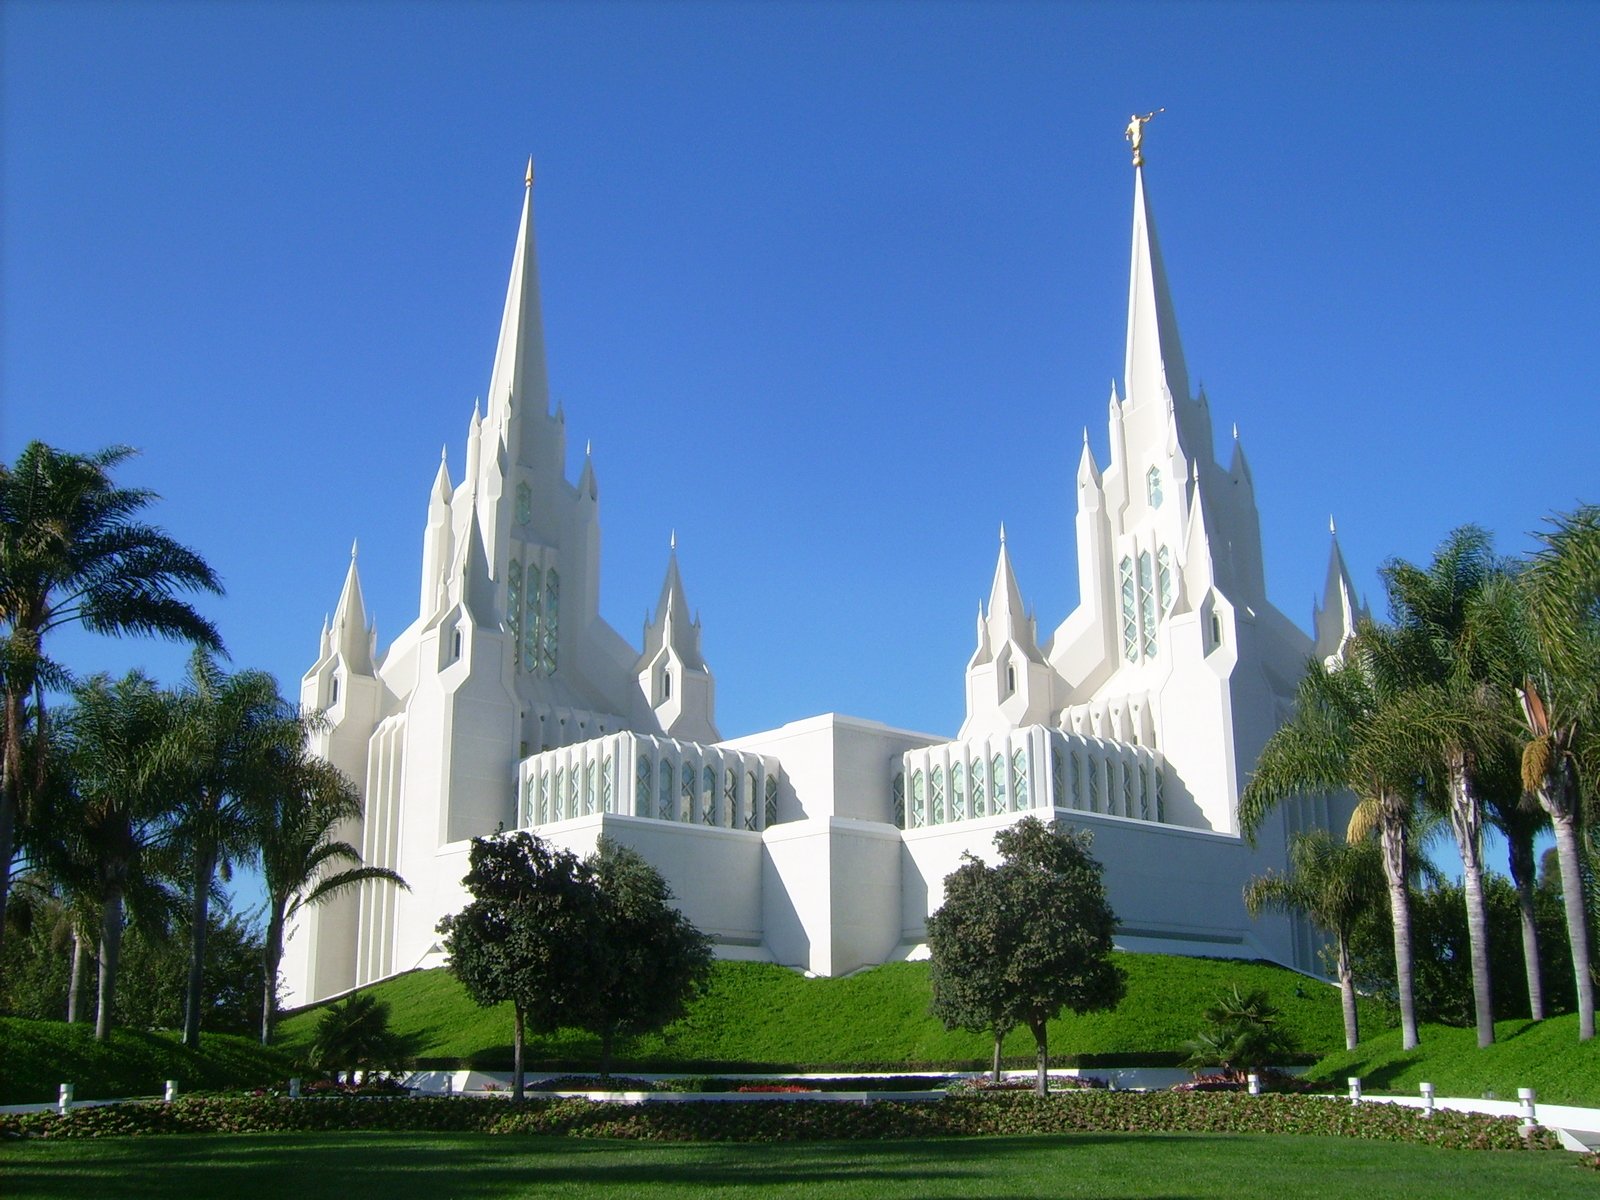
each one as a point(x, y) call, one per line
point(527, 936)
point(230, 732)
point(354, 1034)
point(1559, 696)
point(1443, 651)
point(73, 552)
point(1051, 939)
point(1354, 730)
point(1332, 883)
point(1242, 1033)
point(298, 809)
point(646, 959)
point(965, 970)
point(112, 817)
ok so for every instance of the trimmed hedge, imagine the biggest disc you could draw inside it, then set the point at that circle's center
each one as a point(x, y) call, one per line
point(766, 1121)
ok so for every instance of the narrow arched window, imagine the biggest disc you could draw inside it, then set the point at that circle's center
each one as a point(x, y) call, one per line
point(1019, 780)
point(936, 796)
point(666, 683)
point(1058, 778)
point(1164, 577)
point(643, 774)
point(1011, 681)
point(552, 619)
point(980, 805)
point(997, 782)
point(664, 793)
point(1147, 604)
point(333, 688)
point(455, 645)
point(687, 793)
point(750, 793)
point(1152, 486)
point(918, 800)
point(958, 792)
point(708, 796)
point(532, 621)
point(730, 797)
point(559, 800)
point(514, 611)
point(1130, 617)
point(771, 790)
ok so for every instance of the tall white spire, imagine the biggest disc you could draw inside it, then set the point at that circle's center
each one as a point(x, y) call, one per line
point(350, 637)
point(518, 383)
point(1335, 619)
point(1154, 361)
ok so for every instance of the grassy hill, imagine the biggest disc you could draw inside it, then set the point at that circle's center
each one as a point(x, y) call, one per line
point(761, 1016)
point(1543, 1055)
point(37, 1056)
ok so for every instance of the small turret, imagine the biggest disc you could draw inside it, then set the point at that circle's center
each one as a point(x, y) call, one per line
point(1334, 621)
point(674, 681)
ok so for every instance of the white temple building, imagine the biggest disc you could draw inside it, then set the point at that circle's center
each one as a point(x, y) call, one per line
point(823, 844)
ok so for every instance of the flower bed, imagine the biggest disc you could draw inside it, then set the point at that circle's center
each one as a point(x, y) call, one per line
point(1087, 1111)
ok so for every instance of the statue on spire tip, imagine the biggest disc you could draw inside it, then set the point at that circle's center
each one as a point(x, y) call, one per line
point(527, 180)
point(1134, 133)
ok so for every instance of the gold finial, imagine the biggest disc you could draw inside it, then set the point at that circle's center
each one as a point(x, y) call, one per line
point(1134, 133)
point(527, 179)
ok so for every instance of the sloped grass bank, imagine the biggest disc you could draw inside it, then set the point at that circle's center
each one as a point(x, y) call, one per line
point(757, 1016)
point(38, 1056)
point(1544, 1055)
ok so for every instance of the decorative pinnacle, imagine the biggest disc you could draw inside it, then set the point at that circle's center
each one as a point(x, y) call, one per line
point(353, 549)
point(1332, 528)
point(1236, 431)
point(444, 452)
point(527, 180)
point(588, 448)
point(1002, 533)
point(672, 542)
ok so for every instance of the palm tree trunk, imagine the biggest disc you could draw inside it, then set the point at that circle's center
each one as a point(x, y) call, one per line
point(205, 864)
point(516, 1055)
point(1564, 821)
point(75, 980)
point(1347, 995)
point(110, 956)
point(1466, 822)
point(1393, 839)
point(999, 1039)
point(271, 956)
point(1041, 1038)
point(10, 772)
point(1522, 879)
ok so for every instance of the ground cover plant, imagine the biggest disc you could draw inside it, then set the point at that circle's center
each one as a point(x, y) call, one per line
point(1007, 1114)
point(37, 1056)
point(1544, 1055)
point(756, 1016)
point(358, 1166)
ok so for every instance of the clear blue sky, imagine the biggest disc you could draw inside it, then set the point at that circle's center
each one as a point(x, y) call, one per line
point(833, 288)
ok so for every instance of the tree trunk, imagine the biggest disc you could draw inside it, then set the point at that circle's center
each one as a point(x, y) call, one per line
point(1522, 878)
point(1041, 1038)
point(75, 980)
point(1347, 995)
point(1466, 822)
point(110, 956)
point(1393, 840)
point(271, 955)
point(607, 1036)
point(1564, 821)
point(999, 1039)
point(205, 865)
point(10, 790)
point(516, 1055)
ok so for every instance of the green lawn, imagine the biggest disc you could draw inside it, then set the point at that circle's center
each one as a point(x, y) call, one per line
point(486, 1167)
point(761, 1015)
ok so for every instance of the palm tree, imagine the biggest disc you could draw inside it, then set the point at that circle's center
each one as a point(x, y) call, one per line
point(1560, 702)
point(112, 819)
point(303, 862)
point(72, 551)
point(1351, 732)
point(1333, 883)
point(221, 747)
point(1441, 652)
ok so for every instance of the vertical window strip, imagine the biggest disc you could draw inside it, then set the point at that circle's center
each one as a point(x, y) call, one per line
point(1019, 780)
point(750, 792)
point(552, 619)
point(1130, 620)
point(687, 792)
point(644, 774)
point(514, 610)
point(708, 795)
point(534, 606)
point(730, 796)
point(958, 792)
point(980, 804)
point(1058, 777)
point(997, 782)
point(543, 811)
point(1093, 766)
point(772, 800)
point(1147, 604)
point(1164, 577)
point(918, 801)
point(897, 792)
point(664, 793)
point(608, 784)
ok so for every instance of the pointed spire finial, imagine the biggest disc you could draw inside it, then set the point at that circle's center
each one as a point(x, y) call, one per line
point(353, 547)
point(1236, 431)
point(588, 447)
point(1002, 533)
point(444, 452)
point(672, 542)
point(1332, 528)
point(527, 180)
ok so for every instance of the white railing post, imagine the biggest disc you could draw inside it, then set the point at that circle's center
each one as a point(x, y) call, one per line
point(1355, 1089)
point(64, 1098)
point(1526, 1095)
point(1255, 1083)
point(171, 1092)
point(1427, 1099)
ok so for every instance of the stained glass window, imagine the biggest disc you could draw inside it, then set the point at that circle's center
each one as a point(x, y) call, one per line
point(643, 774)
point(1130, 619)
point(533, 606)
point(1127, 791)
point(1152, 486)
point(524, 504)
point(552, 619)
point(750, 790)
point(730, 796)
point(1094, 785)
point(664, 794)
point(514, 609)
point(708, 796)
point(1159, 788)
point(1147, 604)
point(997, 782)
point(1058, 778)
point(608, 784)
point(918, 801)
point(559, 800)
point(936, 796)
point(572, 792)
point(1019, 780)
point(979, 802)
point(543, 811)
point(688, 793)
point(588, 788)
point(958, 792)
